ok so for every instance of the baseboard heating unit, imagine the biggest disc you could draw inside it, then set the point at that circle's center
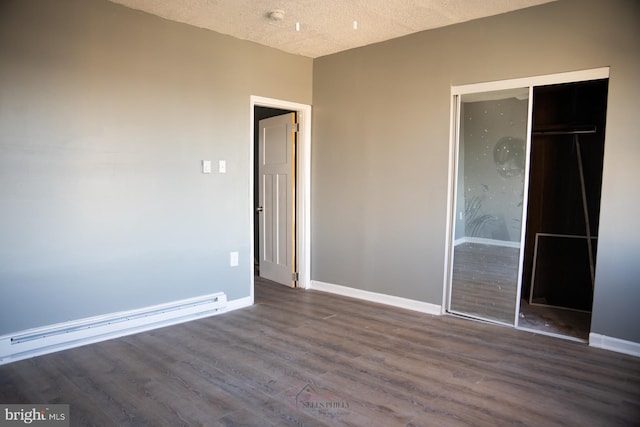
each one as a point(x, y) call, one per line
point(61, 336)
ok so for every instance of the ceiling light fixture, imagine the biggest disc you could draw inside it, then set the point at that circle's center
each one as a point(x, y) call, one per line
point(276, 15)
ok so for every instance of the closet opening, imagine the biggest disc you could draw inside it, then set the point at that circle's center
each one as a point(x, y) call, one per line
point(526, 159)
point(565, 181)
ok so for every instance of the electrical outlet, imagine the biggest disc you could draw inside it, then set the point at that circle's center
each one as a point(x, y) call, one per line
point(222, 166)
point(233, 259)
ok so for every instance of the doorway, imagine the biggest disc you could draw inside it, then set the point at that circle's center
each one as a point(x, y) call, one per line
point(526, 160)
point(265, 108)
point(567, 150)
point(275, 140)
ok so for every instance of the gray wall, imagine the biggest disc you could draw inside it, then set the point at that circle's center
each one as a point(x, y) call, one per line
point(381, 139)
point(105, 115)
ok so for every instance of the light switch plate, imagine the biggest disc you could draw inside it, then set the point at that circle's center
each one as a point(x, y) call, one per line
point(222, 166)
point(206, 166)
point(233, 259)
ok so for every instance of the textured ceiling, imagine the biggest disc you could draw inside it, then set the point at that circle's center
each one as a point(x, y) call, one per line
point(326, 26)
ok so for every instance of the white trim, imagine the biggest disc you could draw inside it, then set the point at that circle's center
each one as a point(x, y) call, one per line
point(550, 334)
point(454, 129)
point(409, 304)
point(62, 336)
point(525, 207)
point(459, 241)
point(548, 79)
point(478, 318)
point(614, 344)
point(483, 241)
point(303, 199)
point(238, 304)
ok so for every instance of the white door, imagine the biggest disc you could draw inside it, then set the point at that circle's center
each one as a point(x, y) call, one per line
point(276, 175)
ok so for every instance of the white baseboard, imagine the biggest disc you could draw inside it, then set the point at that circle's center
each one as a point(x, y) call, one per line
point(614, 344)
point(484, 241)
point(48, 339)
point(409, 304)
point(239, 303)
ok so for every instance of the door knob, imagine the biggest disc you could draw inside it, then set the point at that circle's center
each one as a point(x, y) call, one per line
point(259, 209)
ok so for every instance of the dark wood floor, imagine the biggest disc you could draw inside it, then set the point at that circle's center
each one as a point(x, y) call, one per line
point(308, 358)
point(569, 323)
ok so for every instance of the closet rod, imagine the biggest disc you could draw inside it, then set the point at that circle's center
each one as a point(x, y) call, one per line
point(585, 130)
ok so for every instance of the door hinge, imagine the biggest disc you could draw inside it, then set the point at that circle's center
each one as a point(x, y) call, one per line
point(295, 127)
point(294, 277)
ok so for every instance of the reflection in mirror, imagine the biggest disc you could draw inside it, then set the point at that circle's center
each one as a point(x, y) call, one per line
point(489, 204)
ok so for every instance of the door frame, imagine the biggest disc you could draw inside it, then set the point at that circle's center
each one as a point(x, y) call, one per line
point(303, 184)
point(456, 92)
point(454, 208)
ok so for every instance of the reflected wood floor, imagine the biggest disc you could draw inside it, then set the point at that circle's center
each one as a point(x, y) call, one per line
point(302, 357)
point(485, 281)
